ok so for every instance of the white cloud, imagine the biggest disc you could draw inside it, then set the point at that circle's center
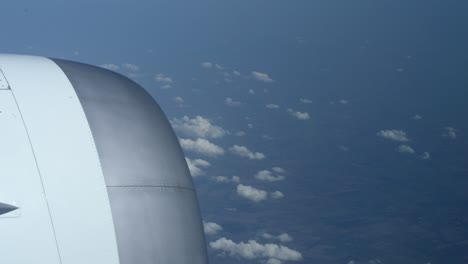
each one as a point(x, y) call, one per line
point(251, 91)
point(417, 117)
point(166, 86)
point(405, 149)
point(211, 228)
point(450, 132)
point(425, 156)
point(251, 193)
point(206, 65)
point(254, 250)
point(266, 175)
point(305, 101)
point(219, 67)
point(263, 77)
point(343, 101)
point(278, 170)
point(197, 127)
point(276, 195)
point(299, 115)
point(225, 179)
point(131, 67)
point(395, 135)
point(249, 125)
point(240, 133)
point(245, 152)
point(237, 73)
point(273, 261)
point(110, 66)
point(196, 166)
point(161, 78)
point(230, 102)
point(272, 106)
point(201, 146)
point(178, 100)
point(283, 237)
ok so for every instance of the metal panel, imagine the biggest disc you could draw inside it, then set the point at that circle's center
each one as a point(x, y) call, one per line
point(157, 225)
point(26, 234)
point(67, 159)
point(3, 82)
point(153, 201)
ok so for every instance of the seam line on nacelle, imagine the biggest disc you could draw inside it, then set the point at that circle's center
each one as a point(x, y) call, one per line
point(39, 173)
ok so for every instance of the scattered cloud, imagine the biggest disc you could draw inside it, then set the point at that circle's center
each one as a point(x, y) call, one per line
point(130, 67)
point(243, 151)
point(417, 117)
point(254, 250)
point(249, 125)
point(161, 78)
point(226, 179)
point(266, 175)
point(284, 237)
point(272, 106)
point(278, 170)
point(299, 115)
point(425, 156)
point(206, 65)
point(450, 132)
point(236, 73)
point(240, 133)
point(251, 193)
point(110, 66)
point(230, 102)
point(196, 166)
point(178, 100)
point(218, 67)
point(201, 146)
point(273, 261)
point(405, 149)
point(276, 195)
point(263, 77)
point(211, 228)
point(197, 127)
point(251, 91)
point(343, 148)
point(395, 135)
point(343, 101)
point(305, 101)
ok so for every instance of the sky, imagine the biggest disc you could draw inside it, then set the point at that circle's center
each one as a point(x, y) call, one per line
point(318, 131)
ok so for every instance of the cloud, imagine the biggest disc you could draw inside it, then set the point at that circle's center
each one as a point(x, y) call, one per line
point(343, 101)
point(395, 135)
point(283, 237)
point(161, 78)
point(201, 146)
point(197, 127)
point(251, 91)
point(299, 115)
point(243, 151)
point(110, 66)
point(196, 166)
point(450, 132)
point(251, 193)
point(266, 175)
point(254, 250)
point(263, 77)
point(425, 156)
point(417, 117)
point(276, 195)
point(305, 101)
point(218, 67)
point(131, 67)
point(236, 73)
point(230, 102)
point(178, 100)
point(240, 133)
point(278, 170)
point(225, 179)
point(273, 261)
point(405, 149)
point(206, 65)
point(272, 106)
point(211, 228)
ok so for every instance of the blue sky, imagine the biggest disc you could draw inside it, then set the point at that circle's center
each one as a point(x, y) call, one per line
point(363, 136)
